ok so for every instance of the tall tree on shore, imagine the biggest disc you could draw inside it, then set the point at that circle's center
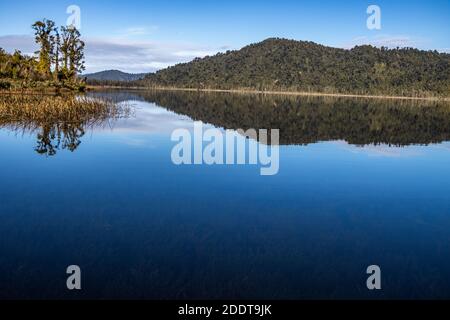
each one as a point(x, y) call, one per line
point(44, 36)
point(60, 57)
point(65, 48)
point(56, 54)
point(76, 57)
point(72, 50)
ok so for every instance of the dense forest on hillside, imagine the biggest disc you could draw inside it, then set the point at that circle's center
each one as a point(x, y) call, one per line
point(288, 65)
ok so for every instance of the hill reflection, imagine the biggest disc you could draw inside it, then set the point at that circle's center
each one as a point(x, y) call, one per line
point(59, 123)
point(305, 120)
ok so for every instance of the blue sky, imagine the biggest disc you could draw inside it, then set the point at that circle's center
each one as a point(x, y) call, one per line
point(142, 36)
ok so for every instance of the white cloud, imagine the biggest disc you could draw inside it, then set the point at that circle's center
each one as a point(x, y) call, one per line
point(121, 53)
point(24, 43)
point(138, 31)
point(390, 41)
point(195, 53)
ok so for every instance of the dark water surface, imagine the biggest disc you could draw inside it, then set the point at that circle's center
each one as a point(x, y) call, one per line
point(360, 183)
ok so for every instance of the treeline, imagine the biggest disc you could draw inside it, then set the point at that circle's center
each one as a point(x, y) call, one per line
point(288, 65)
point(57, 63)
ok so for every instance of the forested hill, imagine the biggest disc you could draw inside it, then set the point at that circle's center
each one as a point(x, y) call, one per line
point(280, 64)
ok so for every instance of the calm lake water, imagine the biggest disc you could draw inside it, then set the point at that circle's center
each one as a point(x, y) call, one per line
point(360, 183)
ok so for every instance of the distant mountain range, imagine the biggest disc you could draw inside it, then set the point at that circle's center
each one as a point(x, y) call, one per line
point(289, 65)
point(114, 75)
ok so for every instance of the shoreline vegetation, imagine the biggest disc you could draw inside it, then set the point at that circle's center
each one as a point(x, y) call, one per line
point(56, 66)
point(54, 90)
point(271, 92)
point(57, 108)
point(291, 67)
point(274, 66)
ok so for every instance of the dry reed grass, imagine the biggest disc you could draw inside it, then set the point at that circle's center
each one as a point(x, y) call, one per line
point(39, 109)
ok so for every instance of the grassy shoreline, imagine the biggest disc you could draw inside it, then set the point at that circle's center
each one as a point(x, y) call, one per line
point(53, 91)
point(287, 93)
point(40, 109)
point(44, 92)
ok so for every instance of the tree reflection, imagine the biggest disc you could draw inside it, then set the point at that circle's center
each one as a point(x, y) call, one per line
point(59, 122)
point(59, 137)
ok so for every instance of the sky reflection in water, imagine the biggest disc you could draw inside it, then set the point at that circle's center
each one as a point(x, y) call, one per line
point(141, 227)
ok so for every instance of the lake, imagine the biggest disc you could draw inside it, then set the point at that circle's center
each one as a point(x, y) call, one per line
point(360, 183)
